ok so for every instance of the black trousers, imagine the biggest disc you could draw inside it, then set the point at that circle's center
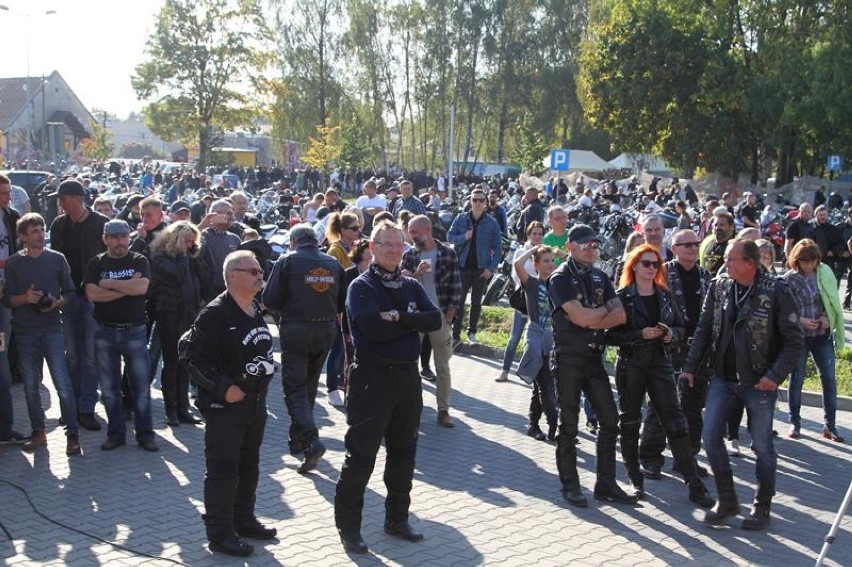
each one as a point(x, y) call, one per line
point(576, 373)
point(692, 401)
point(304, 348)
point(649, 371)
point(384, 403)
point(471, 282)
point(543, 397)
point(232, 439)
point(174, 377)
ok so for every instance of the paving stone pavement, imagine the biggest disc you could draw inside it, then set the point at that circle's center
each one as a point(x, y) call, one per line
point(484, 493)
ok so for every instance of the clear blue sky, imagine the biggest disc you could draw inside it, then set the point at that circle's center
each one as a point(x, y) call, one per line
point(94, 44)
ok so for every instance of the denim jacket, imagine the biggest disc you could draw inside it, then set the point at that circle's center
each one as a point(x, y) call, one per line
point(488, 241)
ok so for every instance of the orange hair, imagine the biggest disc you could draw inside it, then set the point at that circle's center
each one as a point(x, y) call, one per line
point(628, 275)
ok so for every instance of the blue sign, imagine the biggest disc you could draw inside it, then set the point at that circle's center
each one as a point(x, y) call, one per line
point(835, 163)
point(559, 159)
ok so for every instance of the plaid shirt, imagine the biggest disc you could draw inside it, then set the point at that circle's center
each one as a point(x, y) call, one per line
point(805, 292)
point(447, 274)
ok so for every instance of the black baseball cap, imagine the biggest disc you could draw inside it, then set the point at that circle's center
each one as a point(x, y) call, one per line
point(582, 233)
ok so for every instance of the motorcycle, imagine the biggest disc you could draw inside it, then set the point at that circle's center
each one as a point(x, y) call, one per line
point(501, 282)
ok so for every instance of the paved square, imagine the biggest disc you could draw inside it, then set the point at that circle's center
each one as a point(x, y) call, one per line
point(484, 493)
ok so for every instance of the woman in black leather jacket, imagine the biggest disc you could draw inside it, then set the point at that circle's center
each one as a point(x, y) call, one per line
point(644, 366)
point(178, 282)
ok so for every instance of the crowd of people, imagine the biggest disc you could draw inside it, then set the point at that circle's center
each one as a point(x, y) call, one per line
point(702, 324)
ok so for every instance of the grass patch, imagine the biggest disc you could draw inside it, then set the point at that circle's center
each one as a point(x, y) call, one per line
point(495, 325)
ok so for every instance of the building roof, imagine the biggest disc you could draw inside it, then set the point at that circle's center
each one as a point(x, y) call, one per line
point(14, 96)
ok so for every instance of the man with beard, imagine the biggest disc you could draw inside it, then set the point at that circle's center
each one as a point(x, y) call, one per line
point(495, 210)
point(435, 266)
point(712, 252)
point(830, 242)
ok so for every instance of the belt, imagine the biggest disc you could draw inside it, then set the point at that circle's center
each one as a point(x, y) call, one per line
point(120, 326)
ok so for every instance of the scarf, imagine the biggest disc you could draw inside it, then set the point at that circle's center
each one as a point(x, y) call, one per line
point(392, 280)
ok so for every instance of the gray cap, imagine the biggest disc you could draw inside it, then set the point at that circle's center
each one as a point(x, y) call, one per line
point(303, 233)
point(116, 227)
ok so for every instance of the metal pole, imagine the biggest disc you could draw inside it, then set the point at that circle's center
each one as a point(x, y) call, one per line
point(450, 152)
point(829, 539)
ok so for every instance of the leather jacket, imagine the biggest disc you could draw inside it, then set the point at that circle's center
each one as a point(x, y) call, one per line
point(680, 350)
point(766, 334)
point(629, 335)
point(167, 278)
point(306, 285)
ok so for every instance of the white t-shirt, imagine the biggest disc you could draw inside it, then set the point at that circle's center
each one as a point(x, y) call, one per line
point(377, 202)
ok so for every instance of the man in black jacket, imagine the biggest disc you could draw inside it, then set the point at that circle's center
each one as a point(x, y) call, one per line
point(533, 211)
point(228, 352)
point(78, 234)
point(306, 286)
point(750, 339)
point(387, 312)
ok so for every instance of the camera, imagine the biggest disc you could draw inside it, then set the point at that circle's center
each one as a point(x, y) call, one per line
point(45, 301)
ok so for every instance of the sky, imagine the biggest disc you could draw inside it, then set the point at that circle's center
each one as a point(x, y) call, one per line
point(94, 44)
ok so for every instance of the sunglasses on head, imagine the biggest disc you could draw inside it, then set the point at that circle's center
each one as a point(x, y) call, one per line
point(649, 264)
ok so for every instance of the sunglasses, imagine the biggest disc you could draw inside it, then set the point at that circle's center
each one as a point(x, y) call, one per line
point(649, 264)
point(356, 227)
point(478, 200)
point(253, 271)
point(688, 244)
point(594, 245)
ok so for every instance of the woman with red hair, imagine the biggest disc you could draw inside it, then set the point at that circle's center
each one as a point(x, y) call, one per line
point(644, 366)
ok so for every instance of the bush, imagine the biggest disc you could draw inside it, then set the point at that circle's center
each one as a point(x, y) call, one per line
point(495, 326)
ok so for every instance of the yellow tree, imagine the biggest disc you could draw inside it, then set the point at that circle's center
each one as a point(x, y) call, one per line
point(323, 150)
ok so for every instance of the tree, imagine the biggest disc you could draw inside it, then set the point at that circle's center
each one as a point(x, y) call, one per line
point(355, 151)
point(99, 147)
point(201, 59)
point(323, 150)
point(530, 148)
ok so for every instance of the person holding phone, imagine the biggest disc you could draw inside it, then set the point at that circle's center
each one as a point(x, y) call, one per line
point(644, 365)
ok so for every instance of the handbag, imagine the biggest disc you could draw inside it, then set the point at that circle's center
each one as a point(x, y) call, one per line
point(518, 300)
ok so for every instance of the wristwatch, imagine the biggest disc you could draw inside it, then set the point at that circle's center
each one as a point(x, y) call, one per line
point(394, 315)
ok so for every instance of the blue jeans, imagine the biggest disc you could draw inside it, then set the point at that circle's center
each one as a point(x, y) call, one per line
point(32, 346)
point(110, 346)
point(761, 408)
point(79, 321)
point(821, 348)
point(519, 321)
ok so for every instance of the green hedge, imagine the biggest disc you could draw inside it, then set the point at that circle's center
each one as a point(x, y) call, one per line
point(495, 325)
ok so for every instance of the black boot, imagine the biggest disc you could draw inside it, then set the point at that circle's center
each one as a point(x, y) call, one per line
point(698, 494)
point(728, 505)
point(685, 464)
point(759, 519)
point(172, 416)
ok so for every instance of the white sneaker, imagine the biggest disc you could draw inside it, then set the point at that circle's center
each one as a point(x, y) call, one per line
point(734, 448)
point(471, 338)
point(335, 397)
point(504, 376)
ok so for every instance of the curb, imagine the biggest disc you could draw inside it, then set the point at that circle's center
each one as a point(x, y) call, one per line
point(809, 399)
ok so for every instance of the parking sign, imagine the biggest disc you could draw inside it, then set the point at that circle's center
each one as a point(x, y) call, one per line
point(559, 159)
point(835, 162)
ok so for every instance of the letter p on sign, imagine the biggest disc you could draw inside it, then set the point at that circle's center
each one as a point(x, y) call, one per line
point(559, 160)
